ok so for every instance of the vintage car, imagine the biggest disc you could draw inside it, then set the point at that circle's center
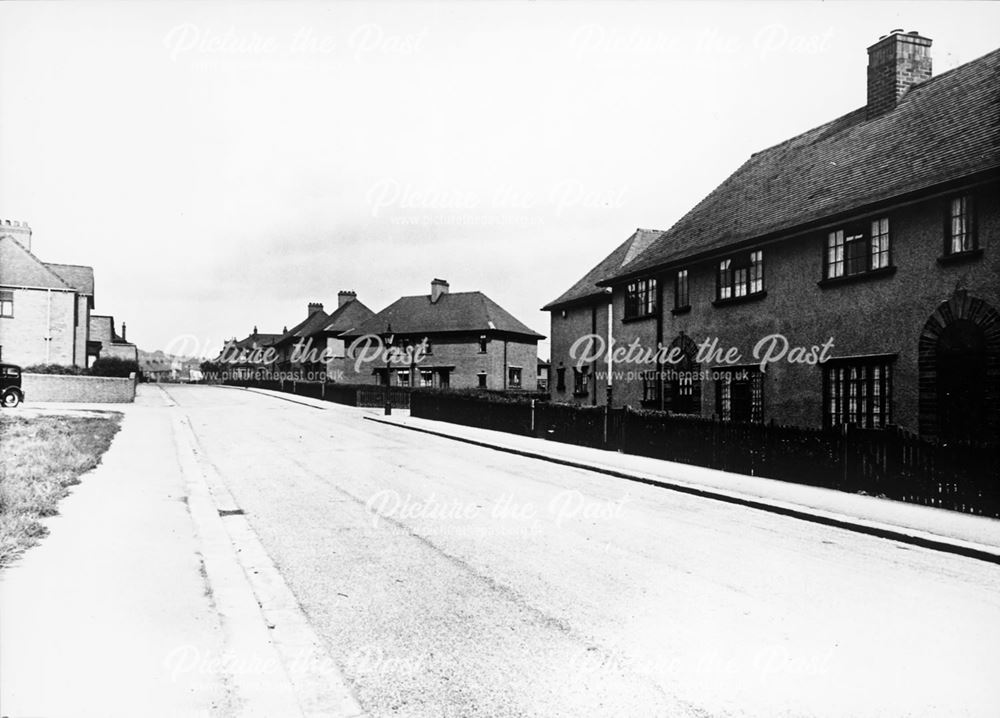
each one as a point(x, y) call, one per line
point(11, 393)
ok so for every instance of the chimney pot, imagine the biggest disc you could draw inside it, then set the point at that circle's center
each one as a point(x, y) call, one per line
point(314, 307)
point(345, 296)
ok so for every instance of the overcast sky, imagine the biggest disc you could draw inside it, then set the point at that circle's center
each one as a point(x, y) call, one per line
point(222, 165)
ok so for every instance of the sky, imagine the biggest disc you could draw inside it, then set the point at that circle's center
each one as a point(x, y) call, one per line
point(221, 165)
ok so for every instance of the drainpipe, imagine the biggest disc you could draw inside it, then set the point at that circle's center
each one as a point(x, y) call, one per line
point(505, 365)
point(48, 331)
point(610, 339)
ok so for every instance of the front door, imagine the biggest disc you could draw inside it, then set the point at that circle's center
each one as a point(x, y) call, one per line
point(961, 382)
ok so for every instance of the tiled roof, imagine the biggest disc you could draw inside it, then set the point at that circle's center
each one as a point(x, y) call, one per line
point(21, 268)
point(313, 324)
point(262, 340)
point(624, 254)
point(79, 277)
point(943, 129)
point(348, 316)
point(454, 312)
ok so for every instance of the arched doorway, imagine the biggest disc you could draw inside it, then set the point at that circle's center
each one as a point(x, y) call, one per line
point(959, 358)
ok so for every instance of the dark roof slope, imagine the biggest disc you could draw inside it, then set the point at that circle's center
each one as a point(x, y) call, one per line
point(77, 276)
point(258, 339)
point(21, 268)
point(313, 324)
point(627, 252)
point(348, 316)
point(454, 312)
point(943, 129)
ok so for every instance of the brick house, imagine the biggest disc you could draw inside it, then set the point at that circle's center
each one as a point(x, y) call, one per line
point(878, 230)
point(471, 342)
point(320, 332)
point(583, 309)
point(45, 308)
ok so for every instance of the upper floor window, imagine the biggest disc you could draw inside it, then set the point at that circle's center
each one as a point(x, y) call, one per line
point(6, 304)
point(960, 226)
point(858, 249)
point(681, 299)
point(640, 298)
point(482, 343)
point(742, 275)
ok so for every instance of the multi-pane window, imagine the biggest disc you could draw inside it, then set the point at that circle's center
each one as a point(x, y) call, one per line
point(741, 276)
point(640, 298)
point(858, 392)
point(960, 230)
point(683, 399)
point(739, 395)
point(403, 377)
point(6, 304)
point(482, 344)
point(426, 377)
point(858, 249)
point(514, 377)
point(681, 289)
point(580, 381)
point(649, 387)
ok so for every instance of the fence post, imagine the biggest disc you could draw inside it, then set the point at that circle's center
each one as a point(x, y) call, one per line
point(532, 417)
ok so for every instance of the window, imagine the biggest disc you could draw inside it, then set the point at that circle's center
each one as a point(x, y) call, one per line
point(403, 377)
point(426, 377)
point(858, 249)
point(482, 343)
point(580, 381)
point(514, 377)
point(741, 276)
point(561, 379)
point(683, 389)
point(482, 380)
point(681, 290)
point(739, 395)
point(428, 347)
point(6, 304)
point(649, 387)
point(858, 391)
point(640, 298)
point(960, 229)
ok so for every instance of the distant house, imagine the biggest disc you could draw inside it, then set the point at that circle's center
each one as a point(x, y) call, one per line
point(106, 342)
point(544, 368)
point(314, 348)
point(470, 341)
point(45, 308)
point(243, 355)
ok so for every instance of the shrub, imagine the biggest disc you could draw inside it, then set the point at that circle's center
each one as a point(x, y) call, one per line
point(113, 366)
point(54, 369)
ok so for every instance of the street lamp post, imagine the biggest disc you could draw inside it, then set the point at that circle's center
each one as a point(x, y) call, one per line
point(387, 345)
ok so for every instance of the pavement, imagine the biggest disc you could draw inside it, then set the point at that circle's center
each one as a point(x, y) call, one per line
point(140, 601)
point(286, 556)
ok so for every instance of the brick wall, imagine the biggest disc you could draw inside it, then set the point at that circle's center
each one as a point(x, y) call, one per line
point(77, 389)
point(579, 321)
point(37, 314)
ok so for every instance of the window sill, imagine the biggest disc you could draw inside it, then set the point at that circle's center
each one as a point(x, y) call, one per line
point(959, 257)
point(638, 318)
point(755, 297)
point(681, 310)
point(859, 277)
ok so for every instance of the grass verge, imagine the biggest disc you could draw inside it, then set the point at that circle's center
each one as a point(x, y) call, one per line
point(40, 458)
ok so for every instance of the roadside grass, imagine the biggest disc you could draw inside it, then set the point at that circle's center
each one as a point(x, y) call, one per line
point(40, 458)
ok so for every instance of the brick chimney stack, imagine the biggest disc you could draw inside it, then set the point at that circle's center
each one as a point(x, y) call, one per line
point(439, 287)
point(345, 296)
point(897, 62)
point(19, 231)
point(124, 328)
point(314, 307)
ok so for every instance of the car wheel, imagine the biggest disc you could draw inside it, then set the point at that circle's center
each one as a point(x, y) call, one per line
point(11, 399)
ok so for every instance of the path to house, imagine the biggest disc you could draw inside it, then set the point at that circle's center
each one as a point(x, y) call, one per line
point(446, 579)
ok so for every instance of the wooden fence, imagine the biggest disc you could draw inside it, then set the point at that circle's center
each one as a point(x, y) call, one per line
point(887, 462)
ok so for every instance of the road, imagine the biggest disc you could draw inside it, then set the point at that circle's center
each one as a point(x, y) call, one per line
point(451, 580)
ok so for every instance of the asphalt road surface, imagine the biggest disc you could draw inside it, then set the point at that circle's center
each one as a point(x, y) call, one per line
point(452, 580)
